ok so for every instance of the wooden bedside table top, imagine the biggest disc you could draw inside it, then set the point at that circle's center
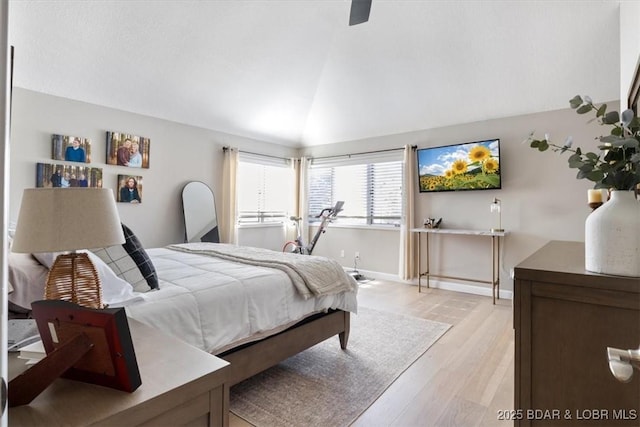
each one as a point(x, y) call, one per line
point(172, 374)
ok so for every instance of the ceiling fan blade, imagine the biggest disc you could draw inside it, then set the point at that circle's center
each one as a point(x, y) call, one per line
point(359, 11)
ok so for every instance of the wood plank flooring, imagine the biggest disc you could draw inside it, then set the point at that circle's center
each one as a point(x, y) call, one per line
point(464, 379)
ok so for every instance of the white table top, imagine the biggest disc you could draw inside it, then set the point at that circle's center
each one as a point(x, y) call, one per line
point(458, 231)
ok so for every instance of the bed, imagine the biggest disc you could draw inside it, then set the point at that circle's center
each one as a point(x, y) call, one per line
point(246, 305)
point(266, 318)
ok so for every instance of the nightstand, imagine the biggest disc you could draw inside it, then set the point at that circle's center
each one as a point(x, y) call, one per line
point(181, 385)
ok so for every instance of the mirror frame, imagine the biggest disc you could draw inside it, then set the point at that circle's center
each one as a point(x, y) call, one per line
point(198, 225)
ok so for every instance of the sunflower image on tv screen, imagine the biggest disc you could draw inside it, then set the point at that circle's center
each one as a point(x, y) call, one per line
point(468, 166)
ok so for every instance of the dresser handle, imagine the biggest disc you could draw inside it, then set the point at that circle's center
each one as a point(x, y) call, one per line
point(622, 362)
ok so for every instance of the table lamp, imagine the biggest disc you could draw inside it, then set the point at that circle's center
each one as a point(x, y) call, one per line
point(497, 209)
point(65, 220)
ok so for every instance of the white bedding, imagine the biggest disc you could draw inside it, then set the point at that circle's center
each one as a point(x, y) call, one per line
point(215, 304)
point(311, 275)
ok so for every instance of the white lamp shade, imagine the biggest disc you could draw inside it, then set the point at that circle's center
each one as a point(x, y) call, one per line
point(66, 219)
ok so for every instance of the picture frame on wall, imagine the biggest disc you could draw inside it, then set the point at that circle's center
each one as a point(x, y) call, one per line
point(70, 148)
point(124, 149)
point(66, 175)
point(129, 189)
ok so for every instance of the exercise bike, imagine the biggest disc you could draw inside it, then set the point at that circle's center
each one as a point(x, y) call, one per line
point(297, 246)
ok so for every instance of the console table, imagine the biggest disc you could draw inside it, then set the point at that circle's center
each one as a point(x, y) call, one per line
point(495, 256)
point(181, 385)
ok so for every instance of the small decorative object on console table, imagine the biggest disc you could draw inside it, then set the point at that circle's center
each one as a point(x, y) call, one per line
point(612, 232)
point(496, 208)
point(432, 223)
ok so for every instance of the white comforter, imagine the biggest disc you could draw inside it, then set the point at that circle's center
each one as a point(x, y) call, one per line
point(311, 275)
point(215, 304)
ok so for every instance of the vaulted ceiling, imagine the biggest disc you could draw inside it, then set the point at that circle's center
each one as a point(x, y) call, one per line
point(295, 73)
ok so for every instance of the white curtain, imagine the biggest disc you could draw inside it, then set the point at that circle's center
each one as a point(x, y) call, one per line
point(228, 210)
point(290, 229)
point(408, 247)
point(302, 197)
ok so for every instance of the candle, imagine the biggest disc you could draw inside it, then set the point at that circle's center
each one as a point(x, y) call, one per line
point(594, 196)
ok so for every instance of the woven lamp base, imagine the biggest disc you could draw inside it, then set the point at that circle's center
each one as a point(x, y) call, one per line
point(74, 278)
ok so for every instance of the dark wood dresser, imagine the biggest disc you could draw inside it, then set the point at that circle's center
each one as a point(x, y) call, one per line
point(564, 320)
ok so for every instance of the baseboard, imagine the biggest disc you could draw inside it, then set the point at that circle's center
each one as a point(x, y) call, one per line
point(434, 283)
point(468, 289)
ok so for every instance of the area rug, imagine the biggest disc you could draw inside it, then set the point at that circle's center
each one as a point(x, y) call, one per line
point(326, 386)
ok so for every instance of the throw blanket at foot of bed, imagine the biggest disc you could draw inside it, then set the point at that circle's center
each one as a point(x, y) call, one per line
point(312, 275)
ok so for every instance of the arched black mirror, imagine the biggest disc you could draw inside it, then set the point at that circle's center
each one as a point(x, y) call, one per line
point(199, 208)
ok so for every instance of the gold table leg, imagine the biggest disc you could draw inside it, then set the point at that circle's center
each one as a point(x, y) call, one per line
point(420, 273)
point(419, 270)
point(495, 267)
point(427, 272)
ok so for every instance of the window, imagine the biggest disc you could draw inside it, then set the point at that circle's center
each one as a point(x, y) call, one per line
point(264, 188)
point(370, 186)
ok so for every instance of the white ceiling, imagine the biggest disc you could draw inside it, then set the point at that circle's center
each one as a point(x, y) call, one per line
point(293, 72)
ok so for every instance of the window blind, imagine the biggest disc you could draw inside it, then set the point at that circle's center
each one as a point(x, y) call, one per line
point(370, 185)
point(264, 187)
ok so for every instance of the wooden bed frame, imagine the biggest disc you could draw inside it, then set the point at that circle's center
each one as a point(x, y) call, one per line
point(253, 358)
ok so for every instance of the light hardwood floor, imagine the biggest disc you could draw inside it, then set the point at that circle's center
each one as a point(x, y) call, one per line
point(464, 379)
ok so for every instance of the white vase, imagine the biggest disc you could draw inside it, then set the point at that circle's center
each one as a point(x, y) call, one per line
point(612, 236)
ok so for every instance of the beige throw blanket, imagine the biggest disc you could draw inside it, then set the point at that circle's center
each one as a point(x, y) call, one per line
point(312, 276)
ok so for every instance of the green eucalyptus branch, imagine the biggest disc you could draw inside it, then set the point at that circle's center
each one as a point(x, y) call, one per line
point(617, 166)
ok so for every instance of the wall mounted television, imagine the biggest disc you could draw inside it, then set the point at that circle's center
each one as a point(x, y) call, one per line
point(459, 167)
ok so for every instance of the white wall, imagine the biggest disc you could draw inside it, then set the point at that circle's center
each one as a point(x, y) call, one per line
point(629, 46)
point(541, 198)
point(179, 154)
point(269, 236)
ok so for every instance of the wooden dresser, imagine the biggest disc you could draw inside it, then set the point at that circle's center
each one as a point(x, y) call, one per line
point(564, 319)
point(181, 385)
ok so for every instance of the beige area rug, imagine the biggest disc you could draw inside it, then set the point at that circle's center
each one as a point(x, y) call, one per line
point(326, 386)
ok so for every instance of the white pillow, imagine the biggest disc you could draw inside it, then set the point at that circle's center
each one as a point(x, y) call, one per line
point(115, 291)
point(27, 277)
